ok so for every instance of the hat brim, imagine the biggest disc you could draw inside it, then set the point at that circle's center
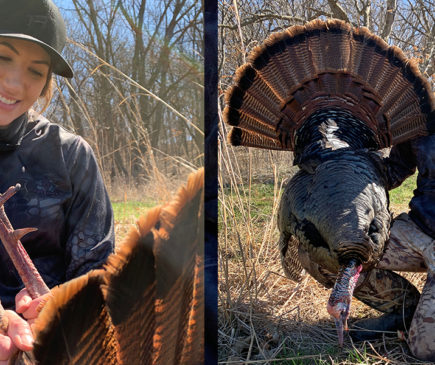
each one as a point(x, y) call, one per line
point(59, 65)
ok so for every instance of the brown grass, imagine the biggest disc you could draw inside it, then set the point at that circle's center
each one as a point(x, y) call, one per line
point(265, 318)
point(159, 189)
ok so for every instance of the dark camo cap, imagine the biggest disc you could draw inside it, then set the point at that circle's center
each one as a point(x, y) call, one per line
point(37, 21)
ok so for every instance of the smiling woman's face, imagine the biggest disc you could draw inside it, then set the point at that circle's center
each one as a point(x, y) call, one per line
point(24, 68)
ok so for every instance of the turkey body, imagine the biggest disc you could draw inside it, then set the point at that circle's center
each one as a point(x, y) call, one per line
point(336, 205)
point(335, 209)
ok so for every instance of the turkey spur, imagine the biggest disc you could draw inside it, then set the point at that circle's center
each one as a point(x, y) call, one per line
point(335, 96)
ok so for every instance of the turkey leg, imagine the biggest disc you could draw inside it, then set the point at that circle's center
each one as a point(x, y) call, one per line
point(21, 260)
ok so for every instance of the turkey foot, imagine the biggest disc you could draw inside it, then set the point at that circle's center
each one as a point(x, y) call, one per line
point(21, 260)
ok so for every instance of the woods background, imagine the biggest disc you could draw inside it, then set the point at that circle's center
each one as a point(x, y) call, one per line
point(408, 24)
point(137, 91)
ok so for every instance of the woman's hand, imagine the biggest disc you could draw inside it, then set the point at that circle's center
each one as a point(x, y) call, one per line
point(18, 337)
point(28, 307)
point(19, 334)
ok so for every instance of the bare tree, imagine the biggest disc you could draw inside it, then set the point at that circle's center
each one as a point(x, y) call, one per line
point(137, 89)
point(408, 24)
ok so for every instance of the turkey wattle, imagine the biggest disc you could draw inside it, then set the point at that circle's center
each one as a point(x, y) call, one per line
point(335, 95)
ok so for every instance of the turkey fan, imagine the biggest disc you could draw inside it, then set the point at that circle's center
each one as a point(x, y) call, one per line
point(145, 306)
point(335, 96)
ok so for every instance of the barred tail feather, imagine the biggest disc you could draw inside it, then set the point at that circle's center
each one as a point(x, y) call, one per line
point(145, 306)
point(327, 64)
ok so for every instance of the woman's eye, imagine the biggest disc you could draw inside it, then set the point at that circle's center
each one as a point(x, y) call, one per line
point(4, 58)
point(36, 73)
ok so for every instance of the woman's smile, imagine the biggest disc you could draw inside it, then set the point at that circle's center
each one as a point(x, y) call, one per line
point(7, 101)
point(7, 104)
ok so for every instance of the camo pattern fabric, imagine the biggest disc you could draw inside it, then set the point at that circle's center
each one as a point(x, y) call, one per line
point(408, 249)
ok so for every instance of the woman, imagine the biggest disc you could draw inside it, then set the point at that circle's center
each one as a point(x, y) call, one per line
point(62, 191)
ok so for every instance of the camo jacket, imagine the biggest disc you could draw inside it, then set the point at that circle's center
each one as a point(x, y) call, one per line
point(401, 163)
point(62, 194)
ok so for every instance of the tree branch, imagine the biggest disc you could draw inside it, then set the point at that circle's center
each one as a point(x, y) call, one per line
point(261, 17)
point(389, 19)
point(337, 10)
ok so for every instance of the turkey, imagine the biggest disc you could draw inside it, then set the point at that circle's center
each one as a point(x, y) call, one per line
point(334, 95)
point(145, 306)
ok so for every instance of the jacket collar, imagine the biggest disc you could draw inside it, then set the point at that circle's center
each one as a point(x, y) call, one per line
point(12, 135)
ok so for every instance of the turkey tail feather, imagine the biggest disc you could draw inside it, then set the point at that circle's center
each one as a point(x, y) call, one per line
point(153, 285)
point(178, 253)
point(129, 290)
point(146, 306)
point(326, 64)
point(74, 326)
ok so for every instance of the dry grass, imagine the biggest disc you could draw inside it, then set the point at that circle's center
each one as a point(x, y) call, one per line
point(158, 190)
point(265, 318)
point(159, 187)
